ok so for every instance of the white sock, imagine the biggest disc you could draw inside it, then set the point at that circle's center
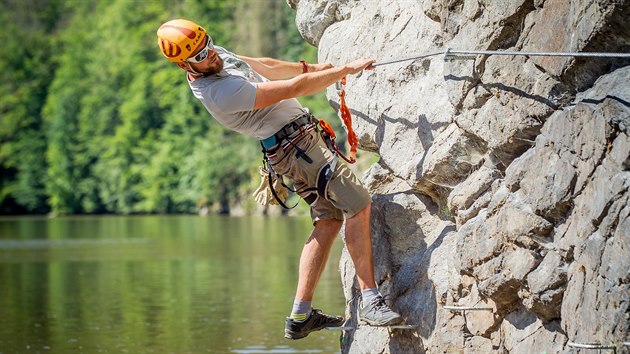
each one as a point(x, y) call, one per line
point(369, 295)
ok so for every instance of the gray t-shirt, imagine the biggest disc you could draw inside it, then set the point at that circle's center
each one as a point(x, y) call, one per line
point(229, 96)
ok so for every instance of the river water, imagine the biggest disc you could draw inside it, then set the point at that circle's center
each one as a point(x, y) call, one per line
point(157, 284)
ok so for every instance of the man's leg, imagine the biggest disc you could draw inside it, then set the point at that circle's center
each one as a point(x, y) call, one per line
point(359, 244)
point(315, 253)
point(373, 311)
point(314, 256)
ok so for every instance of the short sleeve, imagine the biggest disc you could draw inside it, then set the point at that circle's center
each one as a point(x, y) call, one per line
point(235, 94)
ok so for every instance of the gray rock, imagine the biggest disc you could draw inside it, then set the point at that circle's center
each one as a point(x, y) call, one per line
point(501, 278)
point(525, 333)
point(479, 323)
point(450, 160)
point(313, 17)
point(547, 184)
point(502, 180)
point(465, 194)
point(546, 287)
point(479, 345)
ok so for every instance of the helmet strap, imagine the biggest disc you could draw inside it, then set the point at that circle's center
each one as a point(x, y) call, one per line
point(193, 71)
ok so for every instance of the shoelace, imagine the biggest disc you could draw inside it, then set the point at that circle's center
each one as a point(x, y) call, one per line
point(324, 318)
point(380, 304)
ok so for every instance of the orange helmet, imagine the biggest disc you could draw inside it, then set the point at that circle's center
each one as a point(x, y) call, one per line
point(179, 38)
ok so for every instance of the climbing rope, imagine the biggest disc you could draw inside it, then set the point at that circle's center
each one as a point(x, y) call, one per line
point(453, 53)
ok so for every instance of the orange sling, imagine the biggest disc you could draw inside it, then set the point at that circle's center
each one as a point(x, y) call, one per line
point(346, 117)
point(347, 120)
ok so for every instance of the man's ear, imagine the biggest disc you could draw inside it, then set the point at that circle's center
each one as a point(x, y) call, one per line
point(182, 65)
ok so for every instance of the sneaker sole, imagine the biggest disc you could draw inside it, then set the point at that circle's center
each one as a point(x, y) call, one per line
point(288, 334)
point(294, 335)
point(393, 321)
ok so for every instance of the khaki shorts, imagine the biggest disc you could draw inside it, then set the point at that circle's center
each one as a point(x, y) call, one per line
point(346, 194)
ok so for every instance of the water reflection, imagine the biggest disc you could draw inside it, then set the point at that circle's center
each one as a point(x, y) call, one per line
point(156, 285)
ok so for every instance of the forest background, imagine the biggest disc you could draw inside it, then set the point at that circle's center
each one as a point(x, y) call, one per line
point(94, 120)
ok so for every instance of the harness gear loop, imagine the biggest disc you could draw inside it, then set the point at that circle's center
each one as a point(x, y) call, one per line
point(272, 182)
point(346, 117)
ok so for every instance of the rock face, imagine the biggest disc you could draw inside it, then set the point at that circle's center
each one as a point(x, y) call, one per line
point(503, 180)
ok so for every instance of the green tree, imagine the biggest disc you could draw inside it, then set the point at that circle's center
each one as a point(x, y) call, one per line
point(26, 69)
point(118, 108)
point(61, 113)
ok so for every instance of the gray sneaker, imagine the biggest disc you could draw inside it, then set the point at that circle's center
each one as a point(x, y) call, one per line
point(378, 314)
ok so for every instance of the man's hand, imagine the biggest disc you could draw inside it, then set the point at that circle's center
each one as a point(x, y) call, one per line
point(359, 65)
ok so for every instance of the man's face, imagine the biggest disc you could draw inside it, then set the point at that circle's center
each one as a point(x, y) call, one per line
point(212, 64)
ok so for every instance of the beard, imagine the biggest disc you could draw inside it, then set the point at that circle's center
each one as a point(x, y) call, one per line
point(214, 69)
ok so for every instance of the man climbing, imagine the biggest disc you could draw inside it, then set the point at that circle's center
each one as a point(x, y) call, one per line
point(256, 97)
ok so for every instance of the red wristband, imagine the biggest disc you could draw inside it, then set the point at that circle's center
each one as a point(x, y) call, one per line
point(304, 66)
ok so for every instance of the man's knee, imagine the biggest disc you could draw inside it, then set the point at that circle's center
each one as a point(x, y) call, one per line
point(325, 230)
point(365, 212)
point(329, 224)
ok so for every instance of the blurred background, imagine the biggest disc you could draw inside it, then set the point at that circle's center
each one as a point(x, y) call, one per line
point(94, 120)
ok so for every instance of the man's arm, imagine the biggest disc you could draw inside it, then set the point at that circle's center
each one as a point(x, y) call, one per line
point(268, 93)
point(275, 69)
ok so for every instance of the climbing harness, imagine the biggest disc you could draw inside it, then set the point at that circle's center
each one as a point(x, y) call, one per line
point(465, 54)
point(325, 174)
point(288, 137)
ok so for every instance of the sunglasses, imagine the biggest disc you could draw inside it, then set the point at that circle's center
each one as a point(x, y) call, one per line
point(203, 54)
